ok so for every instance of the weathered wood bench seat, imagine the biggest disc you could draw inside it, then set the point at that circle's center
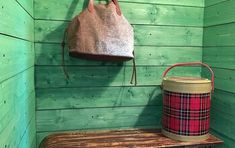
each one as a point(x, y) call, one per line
point(119, 138)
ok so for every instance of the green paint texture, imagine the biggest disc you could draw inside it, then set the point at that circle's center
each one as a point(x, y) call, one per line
point(219, 52)
point(99, 96)
point(17, 92)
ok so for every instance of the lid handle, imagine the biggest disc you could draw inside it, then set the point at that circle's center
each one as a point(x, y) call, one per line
point(193, 64)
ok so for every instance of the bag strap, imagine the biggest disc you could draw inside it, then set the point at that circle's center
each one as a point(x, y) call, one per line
point(63, 52)
point(134, 72)
point(91, 6)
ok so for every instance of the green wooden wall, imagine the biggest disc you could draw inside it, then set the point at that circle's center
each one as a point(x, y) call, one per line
point(17, 93)
point(99, 96)
point(219, 52)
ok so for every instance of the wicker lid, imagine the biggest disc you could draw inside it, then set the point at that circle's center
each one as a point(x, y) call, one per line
point(187, 84)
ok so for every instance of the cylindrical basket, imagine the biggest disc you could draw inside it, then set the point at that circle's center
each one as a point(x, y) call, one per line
point(186, 105)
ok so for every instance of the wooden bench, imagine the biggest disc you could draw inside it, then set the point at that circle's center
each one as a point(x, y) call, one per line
point(120, 138)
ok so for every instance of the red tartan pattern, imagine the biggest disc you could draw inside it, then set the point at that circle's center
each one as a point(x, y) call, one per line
point(186, 114)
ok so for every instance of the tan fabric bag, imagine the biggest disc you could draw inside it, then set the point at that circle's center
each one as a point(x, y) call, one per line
point(101, 32)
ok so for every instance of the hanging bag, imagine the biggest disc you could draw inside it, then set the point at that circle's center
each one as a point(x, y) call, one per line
point(101, 32)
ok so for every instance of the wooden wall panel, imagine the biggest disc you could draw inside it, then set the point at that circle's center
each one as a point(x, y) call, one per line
point(99, 94)
point(94, 97)
point(209, 3)
point(220, 56)
point(17, 92)
point(223, 112)
point(218, 51)
point(52, 32)
point(195, 3)
point(16, 56)
point(48, 54)
point(222, 35)
point(15, 21)
point(224, 79)
point(20, 108)
point(142, 13)
point(220, 13)
point(53, 77)
point(97, 118)
point(28, 5)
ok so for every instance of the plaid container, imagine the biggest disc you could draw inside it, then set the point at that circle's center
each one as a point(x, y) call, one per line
point(186, 114)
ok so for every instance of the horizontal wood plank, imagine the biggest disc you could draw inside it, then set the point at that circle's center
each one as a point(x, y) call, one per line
point(224, 79)
point(209, 3)
point(21, 27)
point(222, 35)
point(196, 3)
point(16, 56)
point(52, 32)
point(53, 76)
point(223, 122)
point(27, 5)
point(222, 57)
point(142, 14)
point(224, 102)
point(228, 142)
point(22, 84)
point(42, 135)
point(220, 14)
point(97, 118)
point(90, 97)
point(50, 54)
point(29, 137)
point(120, 138)
point(22, 115)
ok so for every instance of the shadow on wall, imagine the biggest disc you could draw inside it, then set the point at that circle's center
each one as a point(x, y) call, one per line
point(82, 72)
point(138, 107)
point(151, 115)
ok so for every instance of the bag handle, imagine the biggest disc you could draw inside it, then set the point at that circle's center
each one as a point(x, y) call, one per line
point(192, 64)
point(91, 6)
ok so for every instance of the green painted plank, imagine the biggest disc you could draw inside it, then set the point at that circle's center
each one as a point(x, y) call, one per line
point(8, 108)
point(16, 56)
point(53, 76)
point(213, 2)
point(50, 54)
point(28, 5)
point(52, 31)
point(223, 57)
point(169, 36)
point(96, 118)
point(34, 143)
point(222, 35)
point(15, 21)
point(220, 14)
point(199, 3)
point(223, 123)
point(29, 138)
point(224, 79)
point(142, 14)
point(224, 102)
point(22, 84)
point(228, 142)
point(88, 97)
point(23, 112)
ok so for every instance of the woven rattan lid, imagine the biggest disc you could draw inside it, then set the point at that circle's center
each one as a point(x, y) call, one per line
point(187, 84)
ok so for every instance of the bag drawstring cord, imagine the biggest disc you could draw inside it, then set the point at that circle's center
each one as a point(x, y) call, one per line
point(134, 73)
point(63, 58)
